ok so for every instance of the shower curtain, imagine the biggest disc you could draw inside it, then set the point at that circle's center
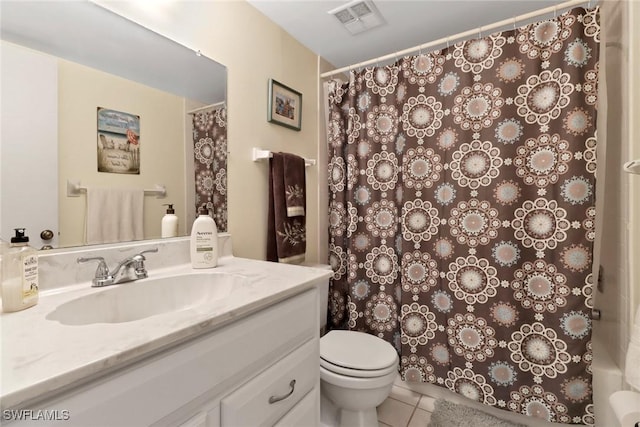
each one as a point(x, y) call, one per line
point(210, 163)
point(461, 213)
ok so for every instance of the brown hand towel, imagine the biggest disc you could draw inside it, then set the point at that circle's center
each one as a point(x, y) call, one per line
point(286, 234)
point(294, 184)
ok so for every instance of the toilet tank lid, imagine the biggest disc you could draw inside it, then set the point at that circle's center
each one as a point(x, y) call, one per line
point(357, 350)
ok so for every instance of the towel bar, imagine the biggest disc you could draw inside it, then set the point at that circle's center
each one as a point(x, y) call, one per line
point(74, 189)
point(259, 154)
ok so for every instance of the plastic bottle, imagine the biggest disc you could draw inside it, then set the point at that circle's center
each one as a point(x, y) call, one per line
point(4, 248)
point(204, 242)
point(170, 222)
point(19, 274)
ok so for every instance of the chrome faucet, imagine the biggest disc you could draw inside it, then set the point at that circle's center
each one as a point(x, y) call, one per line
point(127, 270)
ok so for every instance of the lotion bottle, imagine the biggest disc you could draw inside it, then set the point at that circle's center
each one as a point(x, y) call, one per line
point(204, 242)
point(19, 274)
point(170, 222)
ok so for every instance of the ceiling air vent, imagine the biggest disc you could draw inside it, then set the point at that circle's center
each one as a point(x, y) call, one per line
point(358, 16)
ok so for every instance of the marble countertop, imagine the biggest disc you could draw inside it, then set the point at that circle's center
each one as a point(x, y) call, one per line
point(42, 357)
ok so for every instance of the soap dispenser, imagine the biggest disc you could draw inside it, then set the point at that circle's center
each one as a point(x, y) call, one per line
point(19, 274)
point(170, 222)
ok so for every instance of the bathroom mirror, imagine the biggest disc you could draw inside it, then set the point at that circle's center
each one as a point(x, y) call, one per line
point(87, 40)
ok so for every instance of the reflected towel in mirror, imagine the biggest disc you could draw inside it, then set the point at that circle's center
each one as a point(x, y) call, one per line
point(114, 215)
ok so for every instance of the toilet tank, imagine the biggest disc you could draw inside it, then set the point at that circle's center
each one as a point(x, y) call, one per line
point(323, 293)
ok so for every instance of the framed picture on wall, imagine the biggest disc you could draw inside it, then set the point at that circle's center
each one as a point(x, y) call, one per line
point(285, 106)
point(118, 142)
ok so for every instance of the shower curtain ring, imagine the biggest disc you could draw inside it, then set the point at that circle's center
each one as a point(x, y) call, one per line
point(514, 23)
point(479, 32)
point(448, 37)
point(555, 12)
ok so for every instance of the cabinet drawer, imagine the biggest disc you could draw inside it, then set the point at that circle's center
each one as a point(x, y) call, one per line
point(306, 413)
point(250, 404)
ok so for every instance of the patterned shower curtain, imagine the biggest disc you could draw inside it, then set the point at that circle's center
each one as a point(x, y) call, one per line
point(461, 187)
point(210, 163)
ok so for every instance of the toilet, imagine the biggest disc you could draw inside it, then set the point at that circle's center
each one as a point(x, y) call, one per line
point(357, 371)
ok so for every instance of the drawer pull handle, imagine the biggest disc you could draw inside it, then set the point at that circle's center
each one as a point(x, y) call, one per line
point(274, 399)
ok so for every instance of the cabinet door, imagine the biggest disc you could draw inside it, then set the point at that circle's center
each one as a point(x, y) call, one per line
point(198, 420)
point(306, 413)
point(213, 417)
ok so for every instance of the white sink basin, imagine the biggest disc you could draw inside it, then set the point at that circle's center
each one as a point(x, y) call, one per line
point(140, 299)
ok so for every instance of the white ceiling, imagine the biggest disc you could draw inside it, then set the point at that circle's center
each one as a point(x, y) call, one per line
point(408, 23)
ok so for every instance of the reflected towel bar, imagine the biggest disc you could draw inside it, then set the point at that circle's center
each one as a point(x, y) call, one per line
point(259, 154)
point(74, 189)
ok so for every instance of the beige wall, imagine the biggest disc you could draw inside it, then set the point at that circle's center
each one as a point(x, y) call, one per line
point(323, 173)
point(81, 90)
point(254, 49)
point(634, 138)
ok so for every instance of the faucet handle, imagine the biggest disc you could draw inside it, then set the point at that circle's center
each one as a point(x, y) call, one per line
point(145, 252)
point(138, 263)
point(139, 257)
point(101, 277)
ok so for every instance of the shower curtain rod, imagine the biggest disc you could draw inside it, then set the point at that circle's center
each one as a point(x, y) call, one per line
point(445, 40)
point(206, 107)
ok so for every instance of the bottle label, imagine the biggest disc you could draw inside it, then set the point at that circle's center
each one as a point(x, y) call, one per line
point(203, 241)
point(29, 276)
point(204, 245)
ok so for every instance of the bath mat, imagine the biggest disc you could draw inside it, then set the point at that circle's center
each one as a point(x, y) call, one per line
point(448, 414)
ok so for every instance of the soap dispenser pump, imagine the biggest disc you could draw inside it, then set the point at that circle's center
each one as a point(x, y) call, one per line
point(170, 222)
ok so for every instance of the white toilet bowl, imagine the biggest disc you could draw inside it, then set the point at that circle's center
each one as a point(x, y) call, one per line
point(357, 371)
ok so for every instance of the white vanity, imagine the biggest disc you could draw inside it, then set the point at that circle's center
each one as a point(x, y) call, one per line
point(246, 356)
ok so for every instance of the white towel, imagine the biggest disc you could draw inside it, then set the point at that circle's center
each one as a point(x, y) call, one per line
point(114, 215)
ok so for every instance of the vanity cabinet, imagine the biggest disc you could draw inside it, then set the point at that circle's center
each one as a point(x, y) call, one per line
point(259, 370)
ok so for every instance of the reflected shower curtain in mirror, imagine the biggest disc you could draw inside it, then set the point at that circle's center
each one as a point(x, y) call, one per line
point(461, 216)
point(210, 152)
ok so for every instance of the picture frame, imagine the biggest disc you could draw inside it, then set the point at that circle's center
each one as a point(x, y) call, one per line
point(285, 106)
point(118, 142)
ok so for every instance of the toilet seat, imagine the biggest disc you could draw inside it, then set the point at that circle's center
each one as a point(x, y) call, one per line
point(356, 373)
point(357, 354)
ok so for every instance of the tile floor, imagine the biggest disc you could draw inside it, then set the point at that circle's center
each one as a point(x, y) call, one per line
point(405, 408)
